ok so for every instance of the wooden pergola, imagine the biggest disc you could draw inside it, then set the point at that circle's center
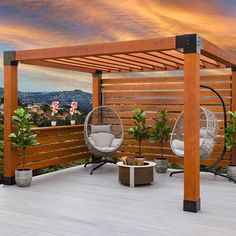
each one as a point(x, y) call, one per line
point(190, 53)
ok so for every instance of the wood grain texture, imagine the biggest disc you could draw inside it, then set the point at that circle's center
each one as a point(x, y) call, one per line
point(96, 93)
point(157, 44)
point(125, 100)
point(233, 108)
point(191, 127)
point(10, 105)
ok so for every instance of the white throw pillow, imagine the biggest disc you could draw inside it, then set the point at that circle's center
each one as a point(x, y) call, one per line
point(100, 129)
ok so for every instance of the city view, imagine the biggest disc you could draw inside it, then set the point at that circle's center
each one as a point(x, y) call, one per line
point(39, 105)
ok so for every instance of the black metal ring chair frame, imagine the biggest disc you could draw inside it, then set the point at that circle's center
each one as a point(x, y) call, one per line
point(211, 167)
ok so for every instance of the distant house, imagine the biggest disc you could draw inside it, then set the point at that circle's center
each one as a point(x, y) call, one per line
point(2, 108)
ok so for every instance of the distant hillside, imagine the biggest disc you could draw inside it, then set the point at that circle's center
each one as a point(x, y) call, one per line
point(84, 99)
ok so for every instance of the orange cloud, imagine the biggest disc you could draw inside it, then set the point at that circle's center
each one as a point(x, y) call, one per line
point(57, 23)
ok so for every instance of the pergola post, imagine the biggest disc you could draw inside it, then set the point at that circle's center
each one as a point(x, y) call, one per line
point(233, 158)
point(10, 105)
point(97, 98)
point(97, 92)
point(191, 45)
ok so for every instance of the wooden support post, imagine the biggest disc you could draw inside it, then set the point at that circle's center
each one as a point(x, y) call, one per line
point(97, 92)
point(191, 132)
point(233, 158)
point(10, 105)
point(97, 100)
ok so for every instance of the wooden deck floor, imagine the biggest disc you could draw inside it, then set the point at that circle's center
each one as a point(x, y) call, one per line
point(71, 202)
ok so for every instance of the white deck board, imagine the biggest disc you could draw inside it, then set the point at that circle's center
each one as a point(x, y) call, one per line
point(71, 202)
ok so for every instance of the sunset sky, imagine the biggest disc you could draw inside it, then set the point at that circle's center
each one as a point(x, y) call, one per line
point(27, 24)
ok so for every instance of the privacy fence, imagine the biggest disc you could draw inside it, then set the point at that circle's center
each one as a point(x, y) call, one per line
point(166, 93)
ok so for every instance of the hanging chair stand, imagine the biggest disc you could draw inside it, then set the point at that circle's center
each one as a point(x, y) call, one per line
point(102, 116)
point(211, 168)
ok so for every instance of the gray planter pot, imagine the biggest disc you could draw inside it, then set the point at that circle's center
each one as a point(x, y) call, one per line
point(231, 171)
point(23, 177)
point(161, 165)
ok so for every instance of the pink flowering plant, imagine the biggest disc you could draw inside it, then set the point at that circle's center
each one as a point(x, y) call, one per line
point(73, 110)
point(54, 107)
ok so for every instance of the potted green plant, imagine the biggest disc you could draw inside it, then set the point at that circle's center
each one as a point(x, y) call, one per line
point(22, 138)
point(140, 131)
point(161, 133)
point(230, 138)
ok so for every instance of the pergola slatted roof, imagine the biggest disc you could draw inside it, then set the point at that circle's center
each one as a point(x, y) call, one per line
point(162, 54)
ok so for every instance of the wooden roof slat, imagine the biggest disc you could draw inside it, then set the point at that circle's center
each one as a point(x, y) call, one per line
point(115, 58)
point(59, 66)
point(154, 58)
point(148, 61)
point(144, 65)
point(166, 57)
point(110, 59)
point(86, 64)
point(101, 62)
point(131, 58)
point(95, 64)
point(75, 64)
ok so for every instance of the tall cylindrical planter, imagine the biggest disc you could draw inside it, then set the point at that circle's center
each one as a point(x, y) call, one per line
point(23, 177)
point(161, 165)
point(231, 171)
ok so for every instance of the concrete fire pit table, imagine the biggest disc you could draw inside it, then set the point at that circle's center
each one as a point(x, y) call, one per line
point(136, 175)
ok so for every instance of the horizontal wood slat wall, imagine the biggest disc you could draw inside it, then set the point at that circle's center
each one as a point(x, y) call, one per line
point(154, 94)
point(57, 145)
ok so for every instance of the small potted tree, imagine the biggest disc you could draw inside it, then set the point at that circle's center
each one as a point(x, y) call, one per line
point(139, 132)
point(54, 107)
point(230, 138)
point(22, 138)
point(134, 171)
point(161, 133)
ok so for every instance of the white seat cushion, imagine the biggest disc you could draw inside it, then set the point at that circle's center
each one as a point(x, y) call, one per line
point(105, 149)
point(178, 144)
point(101, 139)
point(203, 133)
point(116, 142)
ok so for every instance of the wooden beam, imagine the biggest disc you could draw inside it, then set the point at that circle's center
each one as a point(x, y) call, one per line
point(59, 66)
point(62, 62)
point(155, 60)
point(97, 92)
point(218, 54)
point(84, 64)
point(191, 132)
point(10, 105)
point(98, 49)
point(122, 61)
point(233, 77)
point(103, 62)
